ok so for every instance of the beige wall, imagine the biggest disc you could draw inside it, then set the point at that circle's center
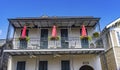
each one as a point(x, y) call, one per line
point(117, 54)
point(110, 41)
point(108, 62)
point(54, 63)
point(110, 58)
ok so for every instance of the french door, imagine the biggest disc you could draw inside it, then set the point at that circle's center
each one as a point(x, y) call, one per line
point(64, 38)
point(44, 39)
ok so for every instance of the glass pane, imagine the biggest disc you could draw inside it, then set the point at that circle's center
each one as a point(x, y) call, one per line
point(118, 34)
point(65, 65)
point(84, 43)
point(23, 44)
point(21, 65)
point(64, 38)
point(43, 65)
point(44, 39)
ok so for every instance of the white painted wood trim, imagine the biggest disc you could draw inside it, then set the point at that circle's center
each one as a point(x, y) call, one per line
point(113, 49)
point(48, 50)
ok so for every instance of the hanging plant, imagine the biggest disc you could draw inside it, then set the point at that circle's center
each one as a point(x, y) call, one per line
point(96, 34)
point(54, 38)
point(25, 38)
point(86, 37)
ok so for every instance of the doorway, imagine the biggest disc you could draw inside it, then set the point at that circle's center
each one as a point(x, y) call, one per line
point(64, 38)
point(86, 67)
point(44, 39)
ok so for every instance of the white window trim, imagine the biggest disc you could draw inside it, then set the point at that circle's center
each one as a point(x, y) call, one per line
point(118, 44)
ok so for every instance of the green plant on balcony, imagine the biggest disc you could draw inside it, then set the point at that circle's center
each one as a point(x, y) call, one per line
point(25, 38)
point(54, 38)
point(86, 37)
point(96, 34)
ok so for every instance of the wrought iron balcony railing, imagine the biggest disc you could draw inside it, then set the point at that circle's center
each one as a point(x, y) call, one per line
point(62, 43)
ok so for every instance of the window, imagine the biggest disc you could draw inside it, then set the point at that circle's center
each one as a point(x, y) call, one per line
point(43, 65)
point(118, 36)
point(85, 43)
point(21, 65)
point(64, 38)
point(65, 65)
point(44, 39)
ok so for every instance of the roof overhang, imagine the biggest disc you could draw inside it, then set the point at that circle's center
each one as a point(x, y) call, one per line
point(50, 21)
point(52, 51)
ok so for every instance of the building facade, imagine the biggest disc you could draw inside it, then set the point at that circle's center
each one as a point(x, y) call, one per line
point(3, 56)
point(111, 41)
point(54, 43)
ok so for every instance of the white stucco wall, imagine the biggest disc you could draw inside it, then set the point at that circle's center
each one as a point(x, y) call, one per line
point(54, 63)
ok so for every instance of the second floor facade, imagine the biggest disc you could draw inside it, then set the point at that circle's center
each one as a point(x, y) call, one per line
point(68, 29)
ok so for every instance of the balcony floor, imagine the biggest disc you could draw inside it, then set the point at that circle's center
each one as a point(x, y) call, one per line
point(53, 51)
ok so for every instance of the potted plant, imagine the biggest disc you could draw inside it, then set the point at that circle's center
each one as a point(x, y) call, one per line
point(54, 38)
point(24, 38)
point(86, 37)
point(96, 34)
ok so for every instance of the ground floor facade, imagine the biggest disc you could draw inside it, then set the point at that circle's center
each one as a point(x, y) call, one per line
point(55, 62)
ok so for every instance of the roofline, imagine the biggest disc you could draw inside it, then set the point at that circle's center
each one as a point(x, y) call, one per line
point(114, 22)
point(109, 25)
point(55, 17)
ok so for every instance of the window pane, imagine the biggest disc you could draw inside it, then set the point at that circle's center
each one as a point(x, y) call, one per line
point(65, 65)
point(43, 65)
point(118, 34)
point(44, 39)
point(64, 38)
point(21, 65)
point(85, 43)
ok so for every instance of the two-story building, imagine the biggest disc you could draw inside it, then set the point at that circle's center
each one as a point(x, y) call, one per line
point(111, 40)
point(54, 43)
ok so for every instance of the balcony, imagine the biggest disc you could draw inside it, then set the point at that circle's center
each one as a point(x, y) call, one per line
point(64, 45)
point(38, 28)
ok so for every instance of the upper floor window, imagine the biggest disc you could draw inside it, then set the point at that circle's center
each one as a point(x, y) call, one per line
point(118, 36)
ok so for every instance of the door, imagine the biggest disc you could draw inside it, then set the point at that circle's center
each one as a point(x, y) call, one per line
point(44, 39)
point(64, 38)
point(43, 65)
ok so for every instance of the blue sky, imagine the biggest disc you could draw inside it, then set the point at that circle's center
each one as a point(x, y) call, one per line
point(107, 10)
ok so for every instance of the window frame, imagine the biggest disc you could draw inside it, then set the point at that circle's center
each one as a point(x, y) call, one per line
point(117, 38)
point(22, 64)
point(65, 65)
